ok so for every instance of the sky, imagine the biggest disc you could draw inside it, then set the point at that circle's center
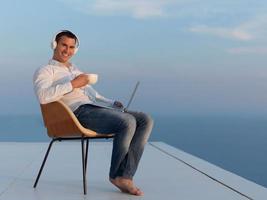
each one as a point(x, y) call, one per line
point(191, 56)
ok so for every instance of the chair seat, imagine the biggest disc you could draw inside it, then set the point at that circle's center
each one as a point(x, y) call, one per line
point(60, 121)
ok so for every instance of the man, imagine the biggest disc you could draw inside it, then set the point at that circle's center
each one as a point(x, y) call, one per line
point(60, 79)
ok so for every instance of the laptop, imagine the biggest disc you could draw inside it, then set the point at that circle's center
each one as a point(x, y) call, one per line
point(132, 96)
point(129, 102)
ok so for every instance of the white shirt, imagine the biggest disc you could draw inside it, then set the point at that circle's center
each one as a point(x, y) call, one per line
point(53, 82)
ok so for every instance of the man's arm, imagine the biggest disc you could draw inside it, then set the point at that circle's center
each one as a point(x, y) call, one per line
point(46, 90)
point(79, 81)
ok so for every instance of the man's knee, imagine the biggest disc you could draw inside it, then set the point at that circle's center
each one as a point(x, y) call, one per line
point(147, 119)
point(128, 122)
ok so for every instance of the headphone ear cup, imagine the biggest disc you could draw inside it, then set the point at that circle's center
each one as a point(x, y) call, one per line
point(75, 50)
point(53, 44)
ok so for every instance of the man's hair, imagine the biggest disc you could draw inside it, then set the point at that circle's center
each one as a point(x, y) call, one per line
point(67, 34)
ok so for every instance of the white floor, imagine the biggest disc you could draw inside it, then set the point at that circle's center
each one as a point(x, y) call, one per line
point(164, 173)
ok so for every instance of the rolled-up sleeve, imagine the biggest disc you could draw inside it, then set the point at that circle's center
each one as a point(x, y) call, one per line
point(45, 89)
point(105, 100)
point(96, 98)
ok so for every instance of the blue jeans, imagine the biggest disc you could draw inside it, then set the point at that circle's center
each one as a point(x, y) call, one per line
point(131, 129)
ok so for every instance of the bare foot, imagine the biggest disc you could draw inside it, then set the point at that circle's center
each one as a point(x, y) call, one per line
point(126, 186)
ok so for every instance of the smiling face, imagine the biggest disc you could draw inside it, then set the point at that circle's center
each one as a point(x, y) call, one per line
point(65, 49)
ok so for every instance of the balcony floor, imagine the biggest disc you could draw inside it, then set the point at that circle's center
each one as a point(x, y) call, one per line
point(164, 173)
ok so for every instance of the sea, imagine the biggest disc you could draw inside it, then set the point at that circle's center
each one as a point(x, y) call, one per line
point(234, 143)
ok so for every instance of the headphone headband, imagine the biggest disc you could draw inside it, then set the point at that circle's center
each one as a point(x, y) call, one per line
point(54, 42)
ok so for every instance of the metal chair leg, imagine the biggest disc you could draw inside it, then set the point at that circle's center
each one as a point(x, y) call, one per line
point(84, 157)
point(43, 163)
point(84, 170)
point(86, 154)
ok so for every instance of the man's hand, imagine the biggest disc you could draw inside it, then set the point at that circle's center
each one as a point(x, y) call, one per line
point(79, 81)
point(118, 104)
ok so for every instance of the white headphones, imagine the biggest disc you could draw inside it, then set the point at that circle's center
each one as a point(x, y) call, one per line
point(54, 42)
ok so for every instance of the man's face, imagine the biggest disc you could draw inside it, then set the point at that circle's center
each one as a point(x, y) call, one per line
point(65, 49)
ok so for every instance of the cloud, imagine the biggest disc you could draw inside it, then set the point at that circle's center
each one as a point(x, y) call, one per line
point(140, 9)
point(234, 33)
point(179, 9)
point(248, 50)
point(254, 28)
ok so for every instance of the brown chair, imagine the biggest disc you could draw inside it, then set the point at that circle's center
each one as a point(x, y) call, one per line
point(62, 124)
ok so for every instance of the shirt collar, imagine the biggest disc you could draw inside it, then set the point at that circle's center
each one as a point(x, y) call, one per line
point(59, 64)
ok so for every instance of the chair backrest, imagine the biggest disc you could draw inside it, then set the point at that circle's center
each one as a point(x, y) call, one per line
point(60, 121)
